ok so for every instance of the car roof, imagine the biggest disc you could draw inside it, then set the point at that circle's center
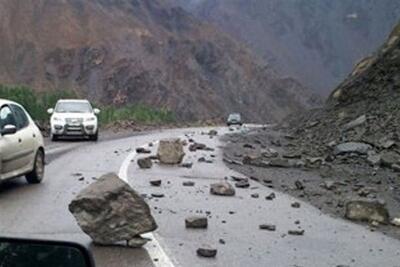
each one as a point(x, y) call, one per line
point(5, 101)
point(73, 100)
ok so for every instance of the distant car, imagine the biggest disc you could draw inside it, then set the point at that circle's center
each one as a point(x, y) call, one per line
point(234, 119)
point(21, 144)
point(74, 118)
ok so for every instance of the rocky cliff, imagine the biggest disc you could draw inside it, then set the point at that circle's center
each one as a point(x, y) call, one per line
point(138, 51)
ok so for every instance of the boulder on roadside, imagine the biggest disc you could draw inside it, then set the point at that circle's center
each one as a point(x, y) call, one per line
point(369, 211)
point(170, 151)
point(222, 189)
point(110, 211)
point(352, 147)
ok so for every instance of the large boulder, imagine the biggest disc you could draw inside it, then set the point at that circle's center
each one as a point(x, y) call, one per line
point(370, 211)
point(110, 211)
point(170, 151)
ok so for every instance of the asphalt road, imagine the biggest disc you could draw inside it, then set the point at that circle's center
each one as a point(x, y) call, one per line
point(41, 211)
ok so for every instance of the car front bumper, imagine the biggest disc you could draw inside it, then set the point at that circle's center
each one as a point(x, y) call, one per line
point(85, 129)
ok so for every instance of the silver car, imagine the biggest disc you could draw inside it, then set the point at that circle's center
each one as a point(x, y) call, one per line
point(234, 119)
point(21, 144)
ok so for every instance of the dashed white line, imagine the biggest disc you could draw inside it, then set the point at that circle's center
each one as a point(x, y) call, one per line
point(154, 249)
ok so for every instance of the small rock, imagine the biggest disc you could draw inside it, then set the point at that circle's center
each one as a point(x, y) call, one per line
point(196, 222)
point(369, 211)
point(389, 158)
point(157, 195)
point(81, 178)
point(145, 163)
point(395, 221)
point(388, 144)
point(255, 195)
point(221, 241)
point(222, 189)
point(299, 185)
point(396, 167)
point(329, 185)
point(196, 146)
point(280, 163)
point(268, 227)
point(355, 123)
point(270, 196)
point(187, 165)
point(213, 133)
point(296, 232)
point(188, 183)
point(206, 252)
point(374, 159)
point(248, 146)
point(352, 147)
point(137, 242)
point(295, 205)
point(242, 184)
point(155, 182)
point(270, 153)
point(142, 150)
point(170, 151)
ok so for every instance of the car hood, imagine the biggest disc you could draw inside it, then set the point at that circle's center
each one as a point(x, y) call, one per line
point(73, 115)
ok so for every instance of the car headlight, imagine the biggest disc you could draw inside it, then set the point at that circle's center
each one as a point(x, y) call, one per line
point(90, 119)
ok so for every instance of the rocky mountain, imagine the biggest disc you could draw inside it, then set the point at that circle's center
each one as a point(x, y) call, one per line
point(139, 51)
point(316, 41)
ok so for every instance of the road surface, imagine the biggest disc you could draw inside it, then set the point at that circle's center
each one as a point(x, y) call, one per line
point(42, 211)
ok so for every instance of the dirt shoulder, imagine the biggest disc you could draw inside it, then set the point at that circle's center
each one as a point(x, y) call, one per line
point(329, 186)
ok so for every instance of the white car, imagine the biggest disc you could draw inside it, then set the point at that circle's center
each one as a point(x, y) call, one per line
point(21, 144)
point(74, 118)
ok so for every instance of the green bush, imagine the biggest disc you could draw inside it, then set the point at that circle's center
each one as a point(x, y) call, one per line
point(38, 103)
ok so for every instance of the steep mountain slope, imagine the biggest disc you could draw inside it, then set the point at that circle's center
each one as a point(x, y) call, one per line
point(315, 41)
point(138, 51)
point(365, 108)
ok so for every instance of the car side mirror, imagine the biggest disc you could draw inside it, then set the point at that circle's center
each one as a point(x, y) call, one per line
point(29, 252)
point(8, 129)
point(96, 111)
point(50, 111)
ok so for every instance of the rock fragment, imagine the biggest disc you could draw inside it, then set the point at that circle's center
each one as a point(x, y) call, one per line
point(206, 252)
point(137, 242)
point(352, 147)
point(145, 163)
point(198, 222)
point(155, 182)
point(295, 205)
point(110, 211)
point(296, 232)
point(268, 227)
point(368, 211)
point(242, 184)
point(188, 183)
point(270, 196)
point(222, 189)
point(142, 150)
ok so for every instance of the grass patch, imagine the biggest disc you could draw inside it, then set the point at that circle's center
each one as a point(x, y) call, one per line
point(38, 103)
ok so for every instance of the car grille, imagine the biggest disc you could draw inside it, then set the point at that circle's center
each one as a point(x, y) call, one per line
point(74, 121)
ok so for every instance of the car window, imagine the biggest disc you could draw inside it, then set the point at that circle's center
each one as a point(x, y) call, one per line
point(6, 117)
point(20, 117)
point(73, 107)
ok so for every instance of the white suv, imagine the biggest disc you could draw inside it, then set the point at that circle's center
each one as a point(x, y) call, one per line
point(21, 144)
point(74, 118)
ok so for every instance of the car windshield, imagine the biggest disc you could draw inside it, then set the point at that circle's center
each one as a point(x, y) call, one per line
point(73, 107)
point(234, 117)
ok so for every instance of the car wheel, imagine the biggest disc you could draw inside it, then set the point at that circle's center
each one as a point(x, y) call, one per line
point(94, 137)
point(54, 137)
point(36, 175)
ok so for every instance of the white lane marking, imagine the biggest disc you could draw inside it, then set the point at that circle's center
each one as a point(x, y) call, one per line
point(153, 248)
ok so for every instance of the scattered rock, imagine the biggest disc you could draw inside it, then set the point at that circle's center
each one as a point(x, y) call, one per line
point(81, 178)
point(221, 241)
point(255, 195)
point(242, 184)
point(213, 133)
point(352, 147)
point(367, 211)
point(248, 146)
point(296, 232)
point(157, 195)
point(142, 150)
point(197, 146)
point(207, 252)
point(389, 158)
point(145, 163)
point(280, 163)
point(355, 123)
point(395, 221)
point(155, 182)
point(295, 205)
point(268, 227)
point(188, 183)
point(222, 189)
point(299, 185)
point(137, 242)
point(388, 144)
point(255, 161)
point(110, 211)
point(374, 159)
point(329, 185)
point(170, 151)
point(271, 196)
point(187, 165)
point(196, 222)
point(269, 153)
